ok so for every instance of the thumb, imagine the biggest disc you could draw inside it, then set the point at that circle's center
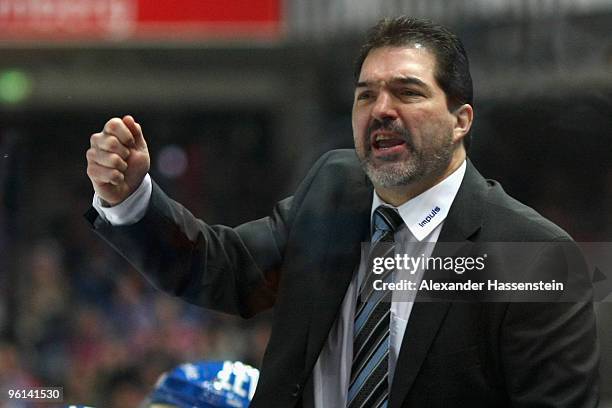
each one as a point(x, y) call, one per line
point(136, 131)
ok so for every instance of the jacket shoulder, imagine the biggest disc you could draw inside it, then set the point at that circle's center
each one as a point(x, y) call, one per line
point(337, 168)
point(516, 221)
point(340, 159)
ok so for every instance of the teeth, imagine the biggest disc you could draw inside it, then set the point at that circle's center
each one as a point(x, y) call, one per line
point(383, 137)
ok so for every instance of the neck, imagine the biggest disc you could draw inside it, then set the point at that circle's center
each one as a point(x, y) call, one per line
point(397, 196)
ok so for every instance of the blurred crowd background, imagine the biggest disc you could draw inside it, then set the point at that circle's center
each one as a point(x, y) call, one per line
point(236, 102)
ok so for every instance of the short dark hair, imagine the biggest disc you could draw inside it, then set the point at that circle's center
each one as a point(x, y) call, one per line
point(452, 64)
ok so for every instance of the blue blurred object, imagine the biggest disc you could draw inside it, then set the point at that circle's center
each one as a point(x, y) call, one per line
point(207, 384)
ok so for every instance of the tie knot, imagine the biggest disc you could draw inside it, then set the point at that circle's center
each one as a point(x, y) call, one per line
point(386, 220)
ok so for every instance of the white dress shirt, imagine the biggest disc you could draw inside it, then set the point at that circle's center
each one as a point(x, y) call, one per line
point(415, 238)
point(129, 211)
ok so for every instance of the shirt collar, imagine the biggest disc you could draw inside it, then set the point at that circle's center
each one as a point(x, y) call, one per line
point(423, 213)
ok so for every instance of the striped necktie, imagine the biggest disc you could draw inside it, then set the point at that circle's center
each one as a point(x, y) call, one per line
point(368, 385)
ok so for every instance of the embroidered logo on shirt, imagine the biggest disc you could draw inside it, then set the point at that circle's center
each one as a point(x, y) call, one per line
point(429, 216)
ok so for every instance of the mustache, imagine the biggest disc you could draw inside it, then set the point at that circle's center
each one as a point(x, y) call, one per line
point(390, 125)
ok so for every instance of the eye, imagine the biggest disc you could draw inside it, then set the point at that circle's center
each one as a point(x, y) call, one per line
point(407, 92)
point(364, 95)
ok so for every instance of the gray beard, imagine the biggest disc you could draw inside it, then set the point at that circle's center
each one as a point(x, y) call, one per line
point(402, 173)
point(391, 174)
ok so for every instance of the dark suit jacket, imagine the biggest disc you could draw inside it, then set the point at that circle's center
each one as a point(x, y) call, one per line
point(301, 259)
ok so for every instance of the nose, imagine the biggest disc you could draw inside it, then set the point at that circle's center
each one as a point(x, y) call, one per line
point(384, 108)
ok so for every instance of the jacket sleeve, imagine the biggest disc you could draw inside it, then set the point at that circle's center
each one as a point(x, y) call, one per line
point(231, 270)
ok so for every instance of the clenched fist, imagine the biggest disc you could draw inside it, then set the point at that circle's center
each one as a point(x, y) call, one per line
point(118, 159)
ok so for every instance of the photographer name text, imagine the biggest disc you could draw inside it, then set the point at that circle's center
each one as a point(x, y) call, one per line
point(469, 285)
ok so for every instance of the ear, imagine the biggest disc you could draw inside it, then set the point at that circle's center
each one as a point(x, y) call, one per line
point(464, 115)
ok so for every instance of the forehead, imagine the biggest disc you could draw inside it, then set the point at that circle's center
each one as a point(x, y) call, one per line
point(382, 64)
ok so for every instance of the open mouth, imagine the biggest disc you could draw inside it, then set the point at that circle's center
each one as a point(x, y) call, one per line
point(387, 143)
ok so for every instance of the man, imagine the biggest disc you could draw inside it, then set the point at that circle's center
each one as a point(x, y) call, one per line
point(329, 346)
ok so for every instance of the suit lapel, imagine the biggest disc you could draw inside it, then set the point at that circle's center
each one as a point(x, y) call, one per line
point(349, 226)
point(426, 318)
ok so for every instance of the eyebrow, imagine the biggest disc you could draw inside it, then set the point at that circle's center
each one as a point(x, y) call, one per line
point(396, 80)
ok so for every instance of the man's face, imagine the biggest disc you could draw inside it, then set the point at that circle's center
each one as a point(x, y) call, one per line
point(402, 127)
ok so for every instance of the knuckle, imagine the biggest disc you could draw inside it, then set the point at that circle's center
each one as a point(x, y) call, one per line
point(112, 143)
point(91, 172)
point(112, 124)
point(116, 161)
point(116, 176)
point(124, 153)
point(94, 139)
point(91, 155)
